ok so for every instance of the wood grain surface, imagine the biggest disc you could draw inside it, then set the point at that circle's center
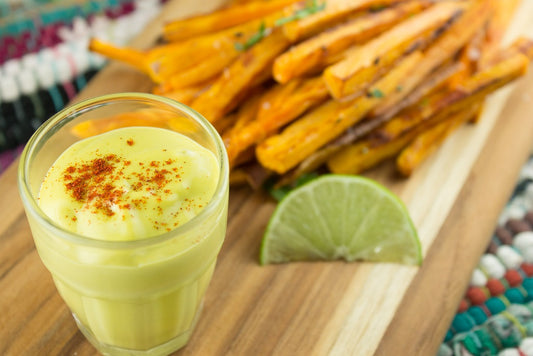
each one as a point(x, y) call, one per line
point(306, 308)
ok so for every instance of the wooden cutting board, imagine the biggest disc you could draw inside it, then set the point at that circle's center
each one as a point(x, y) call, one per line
point(306, 308)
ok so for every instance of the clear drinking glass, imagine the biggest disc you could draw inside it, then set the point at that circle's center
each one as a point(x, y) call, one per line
point(139, 297)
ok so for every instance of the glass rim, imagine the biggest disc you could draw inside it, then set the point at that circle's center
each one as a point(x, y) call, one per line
point(69, 113)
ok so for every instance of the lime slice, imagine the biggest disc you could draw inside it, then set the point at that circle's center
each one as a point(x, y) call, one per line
point(341, 217)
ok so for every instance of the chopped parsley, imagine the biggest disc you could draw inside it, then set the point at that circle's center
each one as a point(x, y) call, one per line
point(255, 38)
point(376, 93)
point(311, 8)
point(280, 192)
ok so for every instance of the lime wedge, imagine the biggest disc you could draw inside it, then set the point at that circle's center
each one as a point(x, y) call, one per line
point(341, 217)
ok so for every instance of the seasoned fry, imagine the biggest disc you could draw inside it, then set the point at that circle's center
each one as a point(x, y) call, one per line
point(278, 107)
point(315, 53)
point(520, 45)
point(224, 95)
point(470, 60)
point(284, 151)
point(395, 134)
point(334, 11)
point(159, 62)
point(367, 153)
point(389, 107)
point(444, 103)
point(133, 57)
point(428, 141)
point(220, 49)
point(318, 158)
point(225, 124)
point(363, 155)
point(205, 70)
point(183, 95)
point(246, 113)
point(221, 19)
point(180, 59)
point(353, 74)
point(502, 14)
point(444, 48)
point(469, 57)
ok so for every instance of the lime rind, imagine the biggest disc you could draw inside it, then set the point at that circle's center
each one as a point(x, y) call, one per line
point(341, 217)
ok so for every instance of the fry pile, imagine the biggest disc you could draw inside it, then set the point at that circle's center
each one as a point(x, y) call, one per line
point(295, 86)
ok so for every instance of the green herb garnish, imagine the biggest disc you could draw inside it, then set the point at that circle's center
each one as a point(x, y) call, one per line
point(376, 93)
point(255, 38)
point(377, 7)
point(309, 9)
point(280, 192)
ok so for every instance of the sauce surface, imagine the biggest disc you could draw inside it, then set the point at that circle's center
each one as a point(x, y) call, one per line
point(129, 184)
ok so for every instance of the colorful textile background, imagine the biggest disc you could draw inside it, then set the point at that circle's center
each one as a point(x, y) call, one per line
point(44, 61)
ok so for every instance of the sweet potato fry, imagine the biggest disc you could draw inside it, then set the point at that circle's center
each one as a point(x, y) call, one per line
point(183, 95)
point(469, 57)
point(306, 135)
point(133, 57)
point(247, 112)
point(283, 106)
point(315, 53)
point(428, 141)
point(208, 55)
point(470, 60)
point(159, 62)
point(319, 157)
point(334, 11)
point(444, 48)
point(206, 69)
point(441, 104)
point(367, 153)
point(180, 59)
point(395, 134)
point(225, 93)
point(363, 155)
point(278, 107)
point(221, 19)
point(350, 76)
point(275, 98)
point(395, 103)
point(502, 14)
point(225, 123)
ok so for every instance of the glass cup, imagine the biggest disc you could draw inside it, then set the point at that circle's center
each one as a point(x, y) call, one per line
point(139, 297)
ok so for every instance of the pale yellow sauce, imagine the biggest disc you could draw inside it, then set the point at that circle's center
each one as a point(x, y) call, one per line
point(129, 184)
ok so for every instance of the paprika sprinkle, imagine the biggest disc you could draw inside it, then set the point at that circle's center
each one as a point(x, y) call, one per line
point(129, 183)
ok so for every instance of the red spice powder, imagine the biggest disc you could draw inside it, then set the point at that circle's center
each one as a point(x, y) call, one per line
point(95, 183)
